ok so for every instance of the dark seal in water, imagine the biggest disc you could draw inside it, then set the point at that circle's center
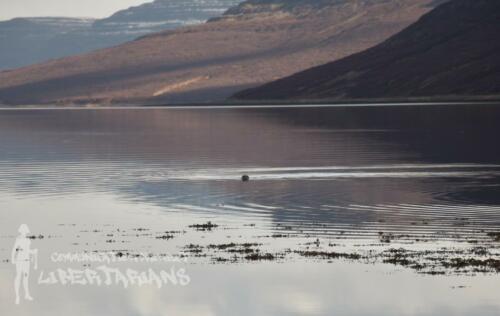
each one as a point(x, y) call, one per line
point(245, 178)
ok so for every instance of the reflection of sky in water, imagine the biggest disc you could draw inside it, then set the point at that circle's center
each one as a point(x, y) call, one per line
point(70, 172)
point(311, 289)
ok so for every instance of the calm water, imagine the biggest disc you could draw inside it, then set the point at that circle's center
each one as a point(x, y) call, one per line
point(340, 174)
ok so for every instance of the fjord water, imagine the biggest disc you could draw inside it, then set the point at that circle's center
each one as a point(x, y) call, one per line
point(345, 173)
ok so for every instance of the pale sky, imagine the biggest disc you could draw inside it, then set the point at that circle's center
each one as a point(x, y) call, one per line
point(74, 8)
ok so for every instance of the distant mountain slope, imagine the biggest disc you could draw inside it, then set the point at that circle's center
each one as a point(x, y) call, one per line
point(26, 41)
point(452, 51)
point(253, 43)
point(162, 15)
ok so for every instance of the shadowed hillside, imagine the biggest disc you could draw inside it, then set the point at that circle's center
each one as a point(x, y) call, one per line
point(452, 51)
point(253, 43)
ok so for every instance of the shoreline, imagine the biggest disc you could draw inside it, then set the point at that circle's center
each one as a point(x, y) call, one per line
point(203, 243)
point(255, 105)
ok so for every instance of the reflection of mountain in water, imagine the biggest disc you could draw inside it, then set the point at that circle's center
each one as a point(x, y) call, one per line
point(370, 161)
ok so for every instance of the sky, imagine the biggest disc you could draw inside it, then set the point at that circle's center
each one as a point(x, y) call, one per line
point(74, 8)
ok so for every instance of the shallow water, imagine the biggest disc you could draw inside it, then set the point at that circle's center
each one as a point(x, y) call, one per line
point(117, 179)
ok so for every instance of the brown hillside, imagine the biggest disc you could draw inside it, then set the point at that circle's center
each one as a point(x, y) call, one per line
point(257, 42)
point(451, 52)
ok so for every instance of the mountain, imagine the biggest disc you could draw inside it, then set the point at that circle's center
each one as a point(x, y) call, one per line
point(255, 42)
point(26, 41)
point(161, 15)
point(451, 52)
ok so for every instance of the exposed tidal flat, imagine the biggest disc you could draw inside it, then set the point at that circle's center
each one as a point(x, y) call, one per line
point(396, 207)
